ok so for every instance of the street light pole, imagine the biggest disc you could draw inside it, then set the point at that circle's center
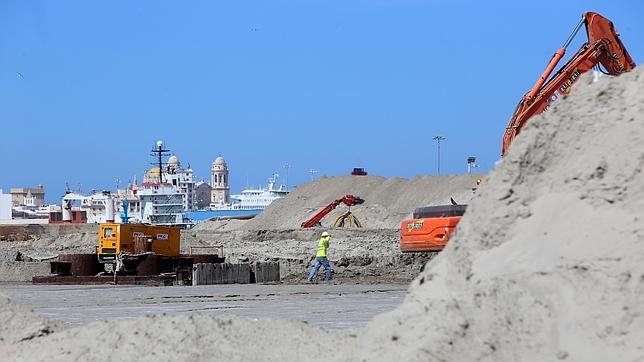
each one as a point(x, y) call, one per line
point(438, 140)
point(471, 163)
point(286, 166)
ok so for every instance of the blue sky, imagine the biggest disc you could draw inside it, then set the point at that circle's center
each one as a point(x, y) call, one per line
point(324, 85)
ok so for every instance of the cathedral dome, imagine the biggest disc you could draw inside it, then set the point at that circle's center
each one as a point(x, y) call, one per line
point(154, 171)
point(220, 161)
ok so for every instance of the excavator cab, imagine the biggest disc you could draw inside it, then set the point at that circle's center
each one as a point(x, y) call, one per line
point(430, 228)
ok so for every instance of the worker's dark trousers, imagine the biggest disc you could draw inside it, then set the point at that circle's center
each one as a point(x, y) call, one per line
point(327, 268)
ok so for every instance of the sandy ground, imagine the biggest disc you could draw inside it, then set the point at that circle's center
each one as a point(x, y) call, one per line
point(323, 305)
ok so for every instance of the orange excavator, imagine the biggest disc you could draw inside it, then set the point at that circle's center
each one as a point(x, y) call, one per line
point(431, 227)
point(603, 49)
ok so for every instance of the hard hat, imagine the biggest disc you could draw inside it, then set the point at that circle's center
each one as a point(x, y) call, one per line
point(325, 234)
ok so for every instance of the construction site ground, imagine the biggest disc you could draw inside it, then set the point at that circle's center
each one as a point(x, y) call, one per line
point(370, 254)
point(325, 305)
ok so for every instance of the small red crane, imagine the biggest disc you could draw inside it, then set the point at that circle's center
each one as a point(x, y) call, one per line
point(348, 200)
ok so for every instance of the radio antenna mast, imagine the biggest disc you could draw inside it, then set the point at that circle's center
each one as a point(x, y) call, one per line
point(159, 152)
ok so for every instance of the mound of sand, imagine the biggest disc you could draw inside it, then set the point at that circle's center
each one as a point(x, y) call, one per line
point(19, 324)
point(188, 337)
point(387, 200)
point(547, 263)
point(47, 241)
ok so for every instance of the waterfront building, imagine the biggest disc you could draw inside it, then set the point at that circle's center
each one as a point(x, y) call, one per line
point(161, 204)
point(5, 206)
point(184, 180)
point(220, 194)
point(24, 196)
point(134, 203)
point(175, 175)
point(203, 193)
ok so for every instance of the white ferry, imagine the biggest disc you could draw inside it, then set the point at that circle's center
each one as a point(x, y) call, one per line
point(254, 199)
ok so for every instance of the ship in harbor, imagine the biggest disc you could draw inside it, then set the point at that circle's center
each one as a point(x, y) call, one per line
point(247, 204)
point(254, 200)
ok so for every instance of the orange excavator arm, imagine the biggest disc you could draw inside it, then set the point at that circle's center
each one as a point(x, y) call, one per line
point(348, 200)
point(603, 47)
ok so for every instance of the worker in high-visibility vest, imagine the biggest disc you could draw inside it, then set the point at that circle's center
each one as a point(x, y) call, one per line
point(321, 258)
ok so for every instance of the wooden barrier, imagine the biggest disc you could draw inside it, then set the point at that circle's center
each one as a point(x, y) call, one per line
point(266, 271)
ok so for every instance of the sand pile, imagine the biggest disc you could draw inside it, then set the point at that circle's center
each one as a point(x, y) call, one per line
point(188, 337)
point(19, 324)
point(47, 241)
point(387, 200)
point(547, 263)
point(22, 259)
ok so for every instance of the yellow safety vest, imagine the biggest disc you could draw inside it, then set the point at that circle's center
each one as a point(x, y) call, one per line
point(323, 244)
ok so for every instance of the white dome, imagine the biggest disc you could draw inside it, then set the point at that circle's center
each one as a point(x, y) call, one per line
point(220, 161)
point(173, 160)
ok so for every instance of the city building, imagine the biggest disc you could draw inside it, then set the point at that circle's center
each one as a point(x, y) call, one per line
point(203, 193)
point(220, 194)
point(23, 196)
point(175, 175)
point(5, 206)
point(184, 180)
point(134, 203)
point(96, 208)
point(161, 204)
point(167, 190)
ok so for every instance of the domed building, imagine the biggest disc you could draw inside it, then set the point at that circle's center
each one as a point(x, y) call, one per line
point(173, 164)
point(175, 175)
point(220, 193)
point(151, 175)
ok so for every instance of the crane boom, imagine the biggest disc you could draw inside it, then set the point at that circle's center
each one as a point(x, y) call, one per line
point(348, 200)
point(603, 47)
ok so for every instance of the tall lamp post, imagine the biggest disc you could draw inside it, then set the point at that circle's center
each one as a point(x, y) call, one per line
point(286, 167)
point(438, 140)
point(471, 164)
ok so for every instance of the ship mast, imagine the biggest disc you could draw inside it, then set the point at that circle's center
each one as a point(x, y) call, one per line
point(159, 152)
